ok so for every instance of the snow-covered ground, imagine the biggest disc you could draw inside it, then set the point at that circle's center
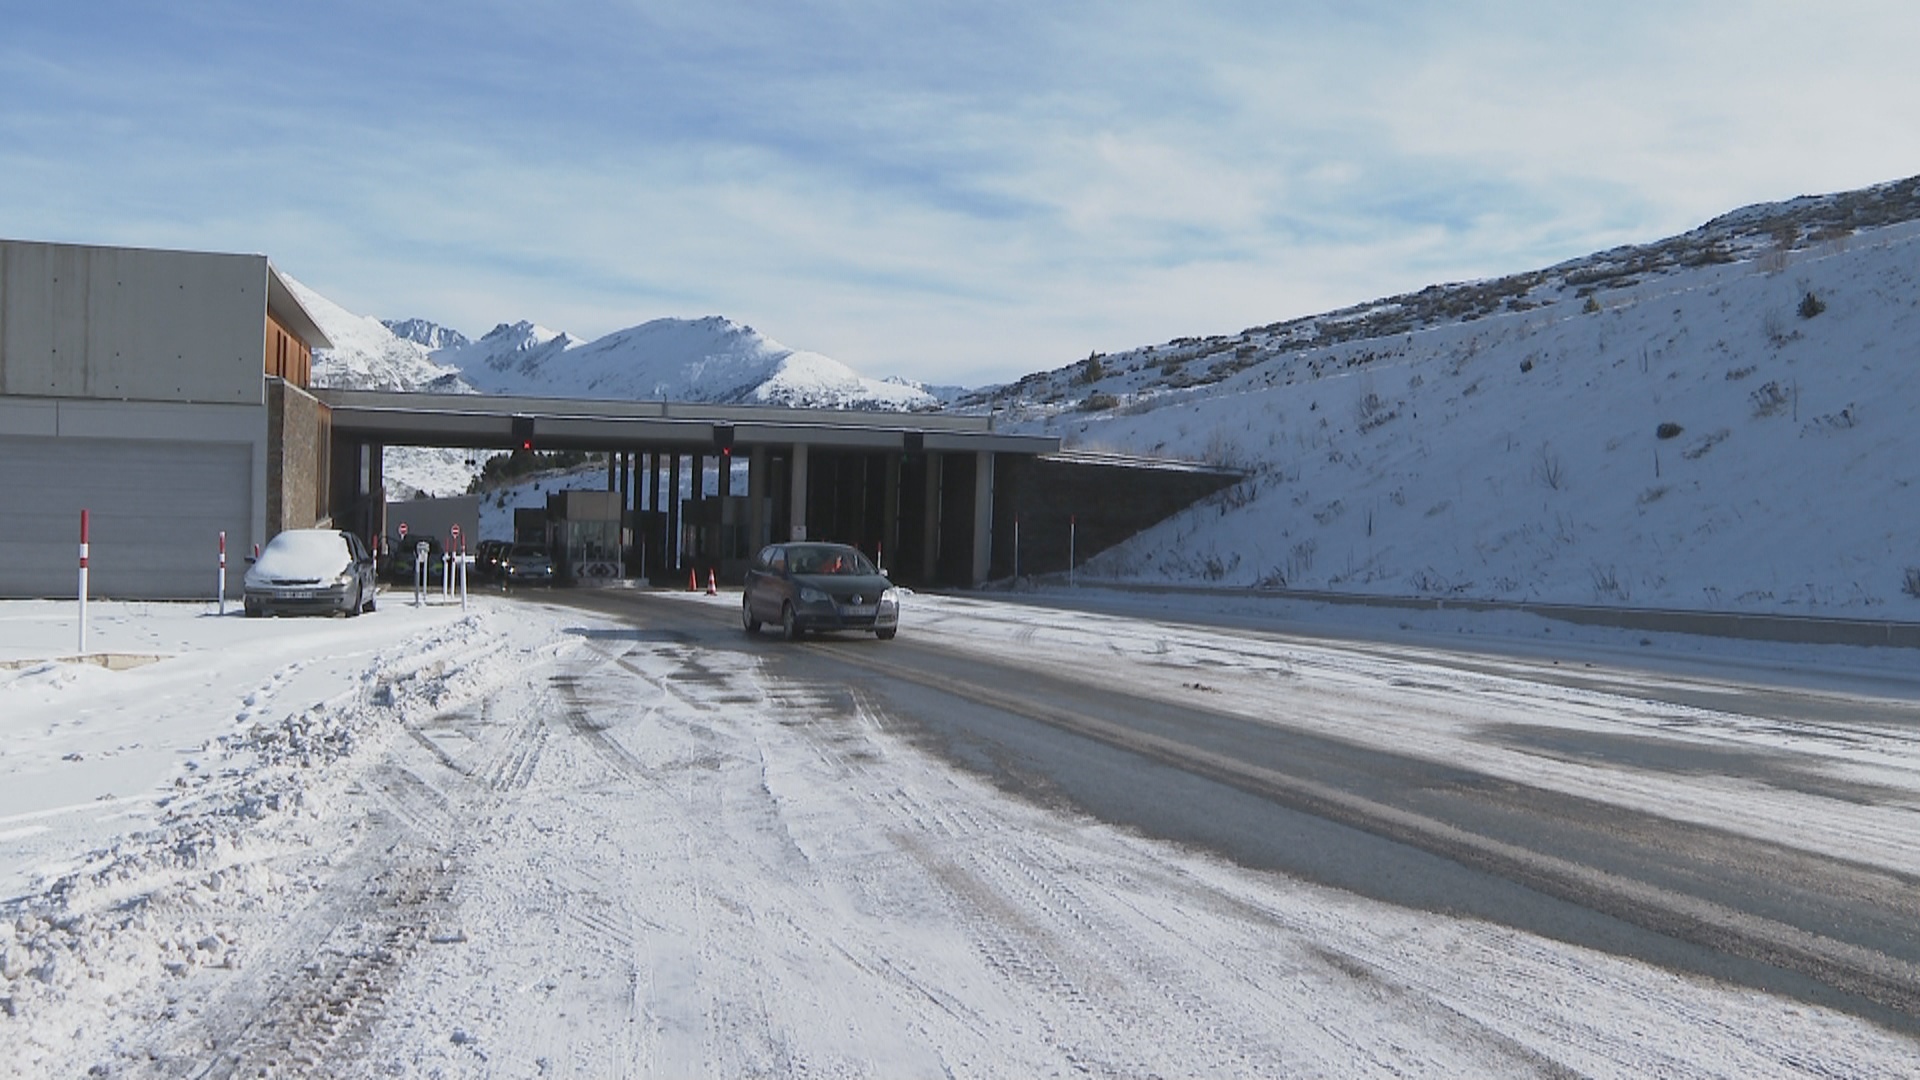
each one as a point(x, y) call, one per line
point(1731, 437)
point(516, 840)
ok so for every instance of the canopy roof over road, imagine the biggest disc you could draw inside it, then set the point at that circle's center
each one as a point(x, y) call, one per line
point(485, 421)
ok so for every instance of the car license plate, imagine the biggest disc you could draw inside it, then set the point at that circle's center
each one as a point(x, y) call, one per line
point(854, 611)
point(300, 594)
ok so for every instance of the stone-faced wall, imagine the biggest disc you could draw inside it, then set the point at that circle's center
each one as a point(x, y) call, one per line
point(1101, 501)
point(298, 454)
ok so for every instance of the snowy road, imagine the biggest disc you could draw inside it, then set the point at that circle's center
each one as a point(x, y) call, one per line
point(1326, 741)
point(542, 840)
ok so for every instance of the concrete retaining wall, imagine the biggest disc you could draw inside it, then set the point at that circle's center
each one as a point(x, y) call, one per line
point(1797, 629)
point(1102, 502)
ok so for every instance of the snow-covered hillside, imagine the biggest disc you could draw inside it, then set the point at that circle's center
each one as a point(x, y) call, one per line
point(1732, 433)
point(712, 359)
point(1720, 420)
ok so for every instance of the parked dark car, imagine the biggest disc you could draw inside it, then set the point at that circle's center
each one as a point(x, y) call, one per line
point(397, 565)
point(802, 587)
point(527, 564)
point(310, 570)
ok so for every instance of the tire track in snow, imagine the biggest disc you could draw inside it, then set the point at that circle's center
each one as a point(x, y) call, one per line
point(328, 1001)
point(316, 994)
point(1017, 897)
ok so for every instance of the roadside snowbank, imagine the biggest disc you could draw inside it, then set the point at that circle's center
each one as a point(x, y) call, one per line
point(132, 799)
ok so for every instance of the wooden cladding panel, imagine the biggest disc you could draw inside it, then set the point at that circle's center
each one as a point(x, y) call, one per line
point(287, 356)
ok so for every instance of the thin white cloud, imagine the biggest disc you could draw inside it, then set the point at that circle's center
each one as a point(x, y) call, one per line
point(955, 192)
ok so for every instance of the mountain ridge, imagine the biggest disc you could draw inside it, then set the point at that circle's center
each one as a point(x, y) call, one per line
point(1771, 229)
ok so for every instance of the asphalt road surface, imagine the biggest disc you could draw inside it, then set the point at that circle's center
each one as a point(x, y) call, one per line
point(1226, 739)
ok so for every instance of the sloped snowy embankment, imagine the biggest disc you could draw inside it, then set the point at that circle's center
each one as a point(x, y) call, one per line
point(1712, 439)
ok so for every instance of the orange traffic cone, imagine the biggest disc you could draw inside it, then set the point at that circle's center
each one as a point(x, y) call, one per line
point(713, 584)
point(693, 580)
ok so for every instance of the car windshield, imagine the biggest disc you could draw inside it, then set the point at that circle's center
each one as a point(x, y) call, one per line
point(527, 551)
point(829, 559)
point(304, 553)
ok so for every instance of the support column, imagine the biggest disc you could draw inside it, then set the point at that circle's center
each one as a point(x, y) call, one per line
point(672, 549)
point(799, 504)
point(982, 515)
point(696, 495)
point(654, 558)
point(756, 500)
point(890, 506)
point(626, 537)
point(930, 524)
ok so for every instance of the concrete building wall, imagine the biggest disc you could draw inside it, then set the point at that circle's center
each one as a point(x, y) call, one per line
point(126, 324)
point(132, 385)
point(160, 480)
point(437, 517)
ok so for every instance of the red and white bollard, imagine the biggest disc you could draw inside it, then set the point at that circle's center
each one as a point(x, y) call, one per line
point(222, 593)
point(83, 581)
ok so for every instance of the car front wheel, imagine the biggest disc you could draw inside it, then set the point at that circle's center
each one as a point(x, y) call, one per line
point(789, 624)
point(886, 633)
point(747, 621)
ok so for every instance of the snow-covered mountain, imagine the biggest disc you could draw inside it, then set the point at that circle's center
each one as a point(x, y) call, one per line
point(367, 355)
point(712, 359)
point(430, 335)
point(1724, 420)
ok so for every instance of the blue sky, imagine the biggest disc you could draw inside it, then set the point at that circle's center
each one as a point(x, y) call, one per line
point(952, 192)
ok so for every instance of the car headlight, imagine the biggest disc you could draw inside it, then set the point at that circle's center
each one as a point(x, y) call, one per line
point(890, 598)
point(812, 596)
point(342, 579)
